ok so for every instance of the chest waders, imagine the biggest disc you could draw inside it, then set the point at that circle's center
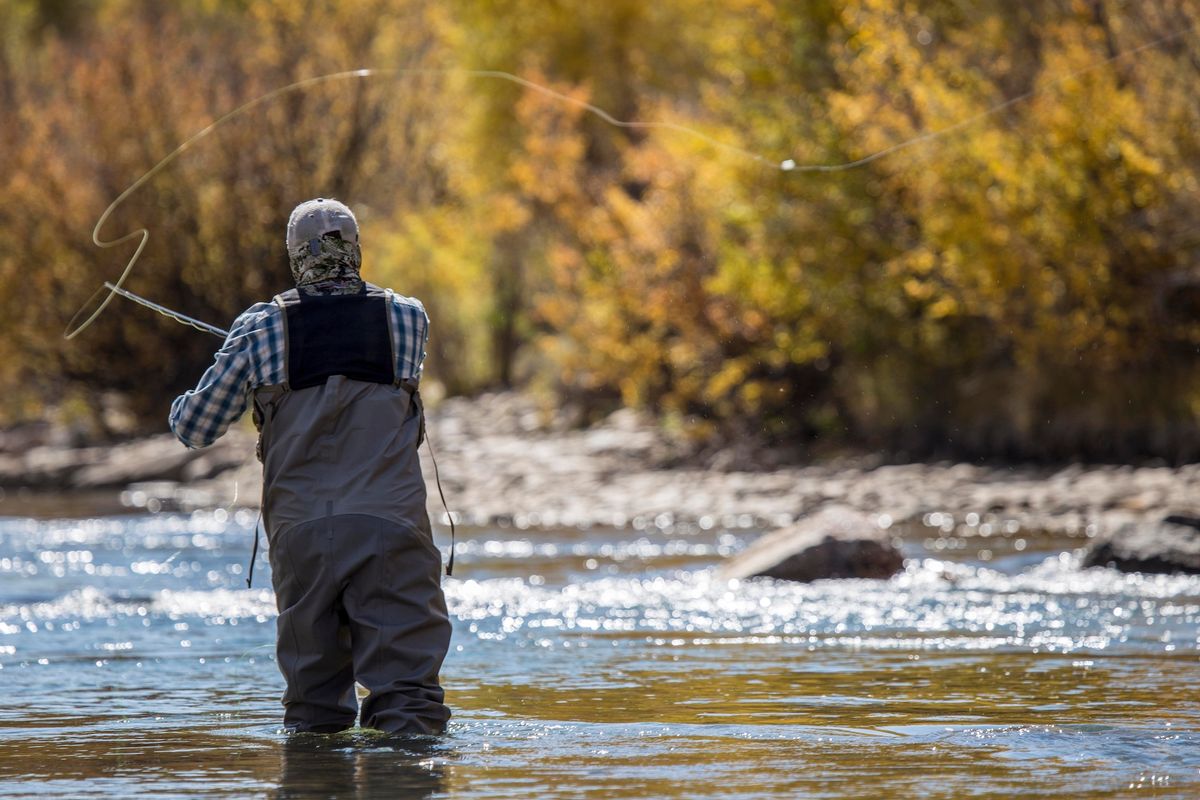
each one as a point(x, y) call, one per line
point(341, 335)
point(354, 567)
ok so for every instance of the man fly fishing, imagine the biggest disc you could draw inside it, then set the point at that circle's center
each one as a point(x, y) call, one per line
point(332, 368)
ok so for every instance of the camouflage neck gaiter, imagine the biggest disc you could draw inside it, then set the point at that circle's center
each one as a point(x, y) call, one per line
point(334, 259)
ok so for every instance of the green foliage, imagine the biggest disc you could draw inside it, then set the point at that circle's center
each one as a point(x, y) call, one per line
point(1024, 285)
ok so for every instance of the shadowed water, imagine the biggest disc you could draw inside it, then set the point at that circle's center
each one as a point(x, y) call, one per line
point(609, 663)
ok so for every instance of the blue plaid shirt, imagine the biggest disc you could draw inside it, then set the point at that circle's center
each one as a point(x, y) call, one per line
point(253, 355)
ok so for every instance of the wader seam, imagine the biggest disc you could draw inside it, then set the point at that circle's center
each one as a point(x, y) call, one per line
point(377, 637)
point(296, 650)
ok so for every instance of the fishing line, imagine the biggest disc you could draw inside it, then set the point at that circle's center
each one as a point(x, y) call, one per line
point(115, 289)
point(256, 647)
point(192, 322)
point(143, 235)
point(159, 567)
point(996, 109)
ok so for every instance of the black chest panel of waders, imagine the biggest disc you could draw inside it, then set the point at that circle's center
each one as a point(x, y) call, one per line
point(338, 335)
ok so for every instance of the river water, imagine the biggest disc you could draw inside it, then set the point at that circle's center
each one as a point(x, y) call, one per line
point(609, 663)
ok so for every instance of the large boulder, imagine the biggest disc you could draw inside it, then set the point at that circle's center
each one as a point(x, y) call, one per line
point(1170, 546)
point(833, 543)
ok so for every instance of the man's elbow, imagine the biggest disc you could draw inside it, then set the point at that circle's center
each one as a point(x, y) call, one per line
point(188, 441)
point(192, 444)
point(185, 434)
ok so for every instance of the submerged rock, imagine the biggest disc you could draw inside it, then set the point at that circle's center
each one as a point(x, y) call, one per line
point(1171, 546)
point(833, 543)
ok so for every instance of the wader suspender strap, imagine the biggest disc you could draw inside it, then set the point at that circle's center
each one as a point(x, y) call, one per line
point(410, 386)
point(413, 388)
point(254, 552)
point(449, 515)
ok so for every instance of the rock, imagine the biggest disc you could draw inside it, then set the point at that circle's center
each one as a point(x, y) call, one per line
point(1186, 520)
point(837, 542)
point(45, 466)
point(153, 458)
point(25, 437)
point(1170, 546)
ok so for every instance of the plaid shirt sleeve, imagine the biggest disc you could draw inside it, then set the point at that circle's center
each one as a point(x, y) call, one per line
point(253, 355)
point(410, 334)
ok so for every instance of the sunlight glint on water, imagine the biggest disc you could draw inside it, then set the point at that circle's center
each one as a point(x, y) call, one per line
point(605, 663)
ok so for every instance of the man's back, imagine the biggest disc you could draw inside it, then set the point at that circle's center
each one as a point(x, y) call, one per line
point(344, 447)
point(332, 367)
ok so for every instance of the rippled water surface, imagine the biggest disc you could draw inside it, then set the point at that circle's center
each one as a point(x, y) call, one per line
point(610, 663)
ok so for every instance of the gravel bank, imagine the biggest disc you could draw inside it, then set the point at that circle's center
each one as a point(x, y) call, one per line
point(505, 461)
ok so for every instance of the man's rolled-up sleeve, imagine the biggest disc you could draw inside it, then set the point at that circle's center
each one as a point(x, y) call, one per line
point(200, 416)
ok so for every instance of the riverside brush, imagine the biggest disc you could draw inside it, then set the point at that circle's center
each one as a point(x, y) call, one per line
point(115, 288)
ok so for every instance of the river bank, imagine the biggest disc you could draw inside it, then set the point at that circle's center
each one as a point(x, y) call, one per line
point(506, 461)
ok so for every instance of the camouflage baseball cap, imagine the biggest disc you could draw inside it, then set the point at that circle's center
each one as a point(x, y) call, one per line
point(314, 254)
point(313, 219)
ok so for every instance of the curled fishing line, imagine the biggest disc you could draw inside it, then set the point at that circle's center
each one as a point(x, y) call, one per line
point(143, 235)
point(791, 166)
point(788, 165)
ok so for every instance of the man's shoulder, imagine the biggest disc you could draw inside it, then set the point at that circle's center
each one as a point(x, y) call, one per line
point(403, 301)
point(259, 315)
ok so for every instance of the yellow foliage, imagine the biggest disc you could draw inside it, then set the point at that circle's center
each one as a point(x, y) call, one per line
point(1031, 245)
